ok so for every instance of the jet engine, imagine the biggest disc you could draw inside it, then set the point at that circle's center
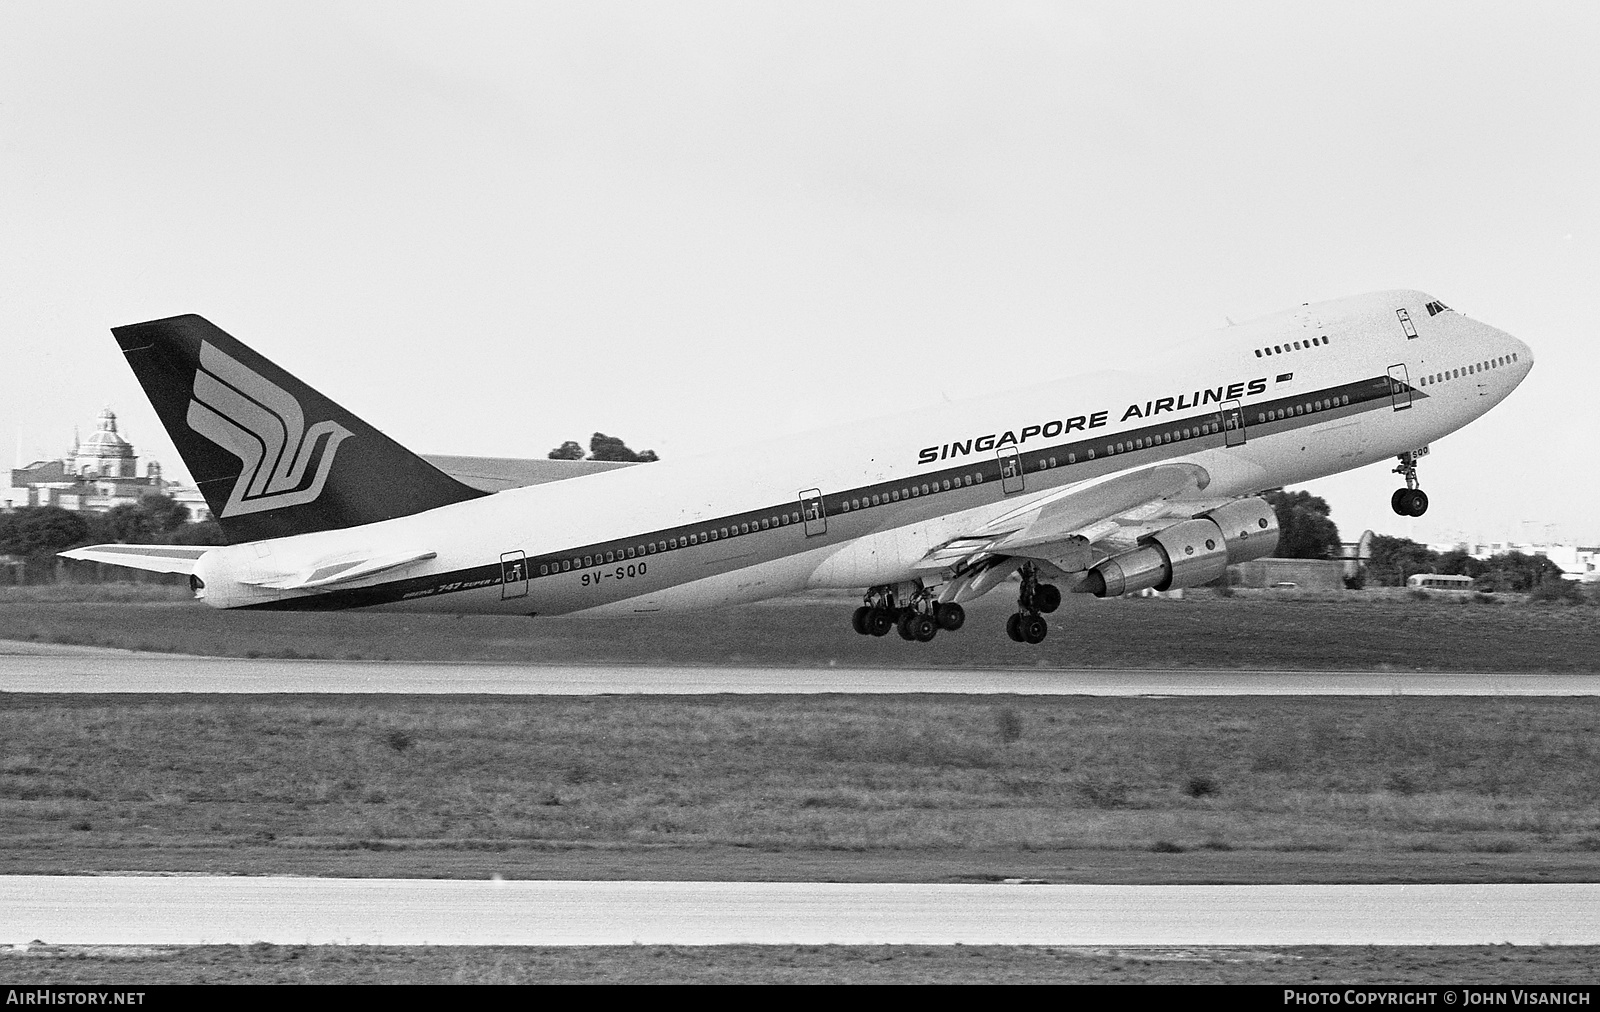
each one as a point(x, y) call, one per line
point(1191, 552)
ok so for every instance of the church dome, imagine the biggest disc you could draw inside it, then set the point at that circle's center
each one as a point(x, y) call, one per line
point(104, 440)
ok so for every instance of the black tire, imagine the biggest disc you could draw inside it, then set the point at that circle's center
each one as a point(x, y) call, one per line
point(1034, 629)
point(903, 625)
point(1014, 626)
point(1416, 503)
point(880, 623)
point(1397, 502)
point(860, 619)
point(950, 616)
point(1047, 598)
point(924, 628)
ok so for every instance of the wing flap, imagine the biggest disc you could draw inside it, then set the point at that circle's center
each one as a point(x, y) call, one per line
point(1061, 527)
point(327, 573)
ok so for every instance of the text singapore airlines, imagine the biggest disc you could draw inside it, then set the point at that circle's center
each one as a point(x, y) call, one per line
point(1102, 484)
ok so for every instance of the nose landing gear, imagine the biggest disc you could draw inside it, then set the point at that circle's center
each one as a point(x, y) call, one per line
point(1410, 501)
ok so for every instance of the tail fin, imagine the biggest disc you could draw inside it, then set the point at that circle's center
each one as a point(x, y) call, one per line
point(241, 425)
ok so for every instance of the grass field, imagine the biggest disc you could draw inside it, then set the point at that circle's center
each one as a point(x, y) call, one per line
point(782, 964)
point(928, 788)
point(1355, 631)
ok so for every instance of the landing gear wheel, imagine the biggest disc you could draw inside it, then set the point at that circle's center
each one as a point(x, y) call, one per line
point(1047, 598)
point(923, 628)
point(1397, 502)
point(1416, 502)
point(950, 616)
point(1033, 628)
point(859, 621)
point(903, 625)
point(1014, 627)
point(880, 622)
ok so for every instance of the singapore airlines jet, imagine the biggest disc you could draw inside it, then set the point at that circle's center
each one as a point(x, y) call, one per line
point(1100, 484)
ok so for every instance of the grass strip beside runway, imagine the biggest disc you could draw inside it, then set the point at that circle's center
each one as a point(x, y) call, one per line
point(952, 787)
point(784, 964)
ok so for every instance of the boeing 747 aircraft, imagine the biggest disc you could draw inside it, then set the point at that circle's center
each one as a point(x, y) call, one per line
point(1103, 484)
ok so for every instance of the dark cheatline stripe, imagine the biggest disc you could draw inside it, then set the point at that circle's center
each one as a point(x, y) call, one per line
point(154, 551)
point(1153, 443)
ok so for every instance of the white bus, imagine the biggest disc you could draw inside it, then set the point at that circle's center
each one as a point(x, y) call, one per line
point(1439, 581)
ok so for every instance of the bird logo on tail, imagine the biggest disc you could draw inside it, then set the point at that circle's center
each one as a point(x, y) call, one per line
point(263, 425)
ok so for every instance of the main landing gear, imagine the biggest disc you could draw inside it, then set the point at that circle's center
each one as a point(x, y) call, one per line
point(1410, 501)
point(919, 619)
point(1028, 625)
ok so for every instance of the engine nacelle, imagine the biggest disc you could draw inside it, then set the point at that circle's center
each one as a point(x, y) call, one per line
point(1190, 553)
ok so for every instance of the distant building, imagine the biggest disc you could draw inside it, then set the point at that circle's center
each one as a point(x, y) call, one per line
point(1577, 562)
point(1289, 574)
point(97, 474)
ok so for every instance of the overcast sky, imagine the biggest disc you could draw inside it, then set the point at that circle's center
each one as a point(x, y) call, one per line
point(489, 228)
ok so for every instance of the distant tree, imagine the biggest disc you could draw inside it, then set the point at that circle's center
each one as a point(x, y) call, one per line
point(166, 515)
point(604, 447)
point(41, 531)
point(1458, 563)
point(569, 450)
point(1518, 572)
point(1304, 530)
point(153, 520)
point(1395, 560)
point(205, 532)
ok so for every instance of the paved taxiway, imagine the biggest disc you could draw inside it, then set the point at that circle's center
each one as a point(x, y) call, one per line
point(28, 668)
point(147, 910)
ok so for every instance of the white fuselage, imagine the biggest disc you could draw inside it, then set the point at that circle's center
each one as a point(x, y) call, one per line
point(799, 512)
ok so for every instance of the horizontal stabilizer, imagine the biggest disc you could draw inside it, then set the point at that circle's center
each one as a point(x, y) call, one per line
point(152, 558)
point(326, 574)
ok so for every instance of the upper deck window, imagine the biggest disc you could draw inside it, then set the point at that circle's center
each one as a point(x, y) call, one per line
point(1435, 308)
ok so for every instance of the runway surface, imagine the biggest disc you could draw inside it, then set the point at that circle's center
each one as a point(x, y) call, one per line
point(30, 668)
point(139, 910)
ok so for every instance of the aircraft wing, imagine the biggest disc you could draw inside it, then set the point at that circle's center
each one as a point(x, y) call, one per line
point(153, 558)
point(496, 474)
point(1108, 513)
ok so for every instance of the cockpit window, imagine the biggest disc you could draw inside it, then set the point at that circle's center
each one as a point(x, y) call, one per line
point(1435, 308)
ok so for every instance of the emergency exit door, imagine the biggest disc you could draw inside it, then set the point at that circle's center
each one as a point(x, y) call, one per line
point(1011, 479)
point(1399, 387)
point(1232, 423)
point(513, 575)
point(811, 511)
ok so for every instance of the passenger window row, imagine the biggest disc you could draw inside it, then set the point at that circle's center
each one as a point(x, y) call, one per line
point(1284, 349)
point(910, 492)
point(1145, 442)
point(622, 554)
point(1476, 367)
point(883, 498)
point(1306, 408)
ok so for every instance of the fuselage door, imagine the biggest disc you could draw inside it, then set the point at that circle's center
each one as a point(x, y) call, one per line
point(513, 575)
point(811, 511)
point(1399, 387)
point(1232, 423)
point(1010, 470)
